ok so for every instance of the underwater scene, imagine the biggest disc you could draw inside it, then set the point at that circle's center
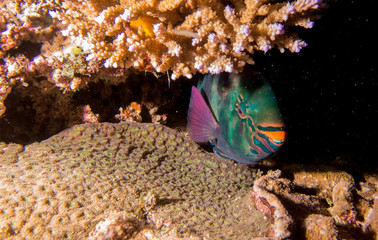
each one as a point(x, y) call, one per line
point(188, 119)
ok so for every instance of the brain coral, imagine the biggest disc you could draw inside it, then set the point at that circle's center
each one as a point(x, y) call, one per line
point(64, 186)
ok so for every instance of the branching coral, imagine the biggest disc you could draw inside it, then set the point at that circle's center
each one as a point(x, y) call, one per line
point(77, 42)
point(184, 36)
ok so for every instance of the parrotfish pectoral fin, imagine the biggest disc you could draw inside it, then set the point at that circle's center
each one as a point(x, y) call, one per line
point(201, 122)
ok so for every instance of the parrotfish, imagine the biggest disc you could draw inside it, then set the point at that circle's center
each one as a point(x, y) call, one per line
point(238, 114)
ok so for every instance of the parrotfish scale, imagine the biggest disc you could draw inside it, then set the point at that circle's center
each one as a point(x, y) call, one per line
point(252, 152)
point(250, 124)
point(261, 145)
point(201, 122)
point(220, 153)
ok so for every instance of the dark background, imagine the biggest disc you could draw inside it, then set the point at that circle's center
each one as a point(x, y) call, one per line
point(328, 92)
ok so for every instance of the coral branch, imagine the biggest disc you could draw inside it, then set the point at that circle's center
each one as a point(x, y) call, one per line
point(82, 40)
point(184, 36)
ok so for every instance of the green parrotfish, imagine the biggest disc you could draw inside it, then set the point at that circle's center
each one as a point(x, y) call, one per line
point(238, 114)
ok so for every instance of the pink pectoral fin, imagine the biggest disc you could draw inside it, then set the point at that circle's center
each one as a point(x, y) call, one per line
point(201, 122)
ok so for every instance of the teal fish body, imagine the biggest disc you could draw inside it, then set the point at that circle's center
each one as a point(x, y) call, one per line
point(238, 114)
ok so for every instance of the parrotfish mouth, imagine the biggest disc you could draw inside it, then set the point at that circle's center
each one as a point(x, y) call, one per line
point(238, 114)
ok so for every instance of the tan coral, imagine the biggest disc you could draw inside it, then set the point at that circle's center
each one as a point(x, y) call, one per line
point(348, 212)
point(21, 21)
point(117, 225)
point(183, 36)
point(343, 210)
point(368, 204)
point(127, 179)
point(88, 116)
point(4, 91)
point(372, 219)
point(269, 204)
point(180, 37)
point(320, 227)
point(323, 178)
point(333, 185)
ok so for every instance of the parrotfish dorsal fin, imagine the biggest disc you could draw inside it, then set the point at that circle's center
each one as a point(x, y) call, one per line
point(201, 122)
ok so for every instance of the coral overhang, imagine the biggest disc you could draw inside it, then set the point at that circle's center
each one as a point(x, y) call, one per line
point(82, 40)
point(184, 36)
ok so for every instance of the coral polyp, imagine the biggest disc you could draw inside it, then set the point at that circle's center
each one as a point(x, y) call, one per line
point(93, 178)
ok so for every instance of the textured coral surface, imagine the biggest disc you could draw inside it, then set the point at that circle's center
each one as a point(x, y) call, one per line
point(147, 181)
point(183, 36)
point(148, 175)
point(72, 43)
point(322, 200)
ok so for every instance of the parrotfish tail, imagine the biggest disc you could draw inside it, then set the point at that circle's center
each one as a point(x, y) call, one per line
point(201, 122)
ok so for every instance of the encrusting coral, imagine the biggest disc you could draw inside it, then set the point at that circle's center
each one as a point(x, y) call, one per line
point(269, 204)
point(121, 180)
point(76, 42)
point(322, 201)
